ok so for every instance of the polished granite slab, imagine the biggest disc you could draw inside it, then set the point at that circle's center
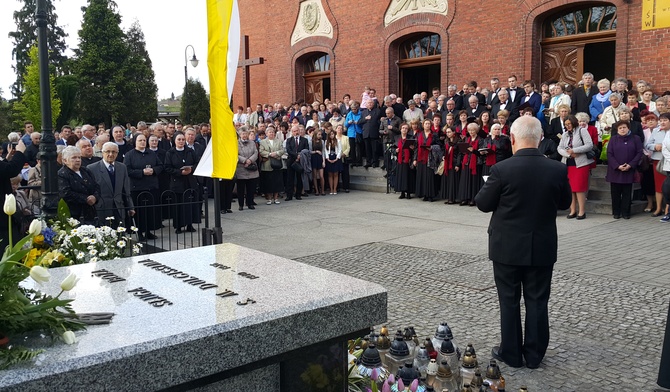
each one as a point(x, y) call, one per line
point(184, 315)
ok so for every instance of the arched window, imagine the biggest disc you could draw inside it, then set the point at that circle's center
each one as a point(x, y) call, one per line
point(318, 63)
point(425, 46)
point(580, 21)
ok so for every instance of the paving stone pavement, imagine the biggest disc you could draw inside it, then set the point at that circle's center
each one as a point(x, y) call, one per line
point(610, 290)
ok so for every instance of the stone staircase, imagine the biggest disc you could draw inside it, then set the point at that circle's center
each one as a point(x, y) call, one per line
point(599, 199)
point(370, 180)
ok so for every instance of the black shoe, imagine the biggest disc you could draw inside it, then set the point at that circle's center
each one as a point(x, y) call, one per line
point(616, 216)
point(580, 217)
point(288, 198)
point(190, 229)
point(374, 165)
point(425, 198)
point(383, 167)
point(241, 208)
point(571, 216)
point(495, 353)
point(464, 203)
point(626, 217)
point(223, 212)
point(532, 365)
point(402, 195)
point(304, 195)
point(298, 198)
point(409, 197)
point(346, 191)
point(472, 204)
point(151, 236)
point(178, 231)
point(229, 211)
point(366, 166)
point(251, 207)
point(253, 203)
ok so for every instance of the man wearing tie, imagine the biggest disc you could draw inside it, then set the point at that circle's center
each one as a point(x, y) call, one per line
point(531, 97)
point(294, 145)
point(112, 176)
point(515, 92)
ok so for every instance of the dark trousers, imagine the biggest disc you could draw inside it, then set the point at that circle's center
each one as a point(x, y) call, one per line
point(621, 195)
point(536, 285)
point(371, 151)
point(664, 368)
point(345, 175)
point(294, 179)
point(245, 191)
point(354, 157)
point(226, 188)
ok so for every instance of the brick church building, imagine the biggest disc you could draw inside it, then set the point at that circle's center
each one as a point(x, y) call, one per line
point(316, 49)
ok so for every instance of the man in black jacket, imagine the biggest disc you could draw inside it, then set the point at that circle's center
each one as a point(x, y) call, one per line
point(294, 145)
point(370, 122)
point(582, 95)
point(524, 192)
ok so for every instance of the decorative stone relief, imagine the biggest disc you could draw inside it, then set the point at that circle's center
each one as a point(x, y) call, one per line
point(400, 8)
point(312, 22)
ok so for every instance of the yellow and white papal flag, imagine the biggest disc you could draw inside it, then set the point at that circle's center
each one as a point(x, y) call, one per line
point(223, 31)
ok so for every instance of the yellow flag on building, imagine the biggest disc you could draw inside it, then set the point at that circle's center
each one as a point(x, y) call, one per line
point(223, 31)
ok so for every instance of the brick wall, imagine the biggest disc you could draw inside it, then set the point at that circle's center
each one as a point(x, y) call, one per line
point(480, 39)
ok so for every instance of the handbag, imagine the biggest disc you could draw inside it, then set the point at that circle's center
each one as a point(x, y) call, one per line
point(594, 152)
point(252, 166)
point(659, 166)
point(440, 169)
point(644, 164)
point(275, 163)
point(297, 167)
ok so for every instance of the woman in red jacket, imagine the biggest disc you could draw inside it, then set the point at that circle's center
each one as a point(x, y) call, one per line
point(405, 175)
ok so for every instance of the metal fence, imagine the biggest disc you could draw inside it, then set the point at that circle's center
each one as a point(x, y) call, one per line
point(165, 221)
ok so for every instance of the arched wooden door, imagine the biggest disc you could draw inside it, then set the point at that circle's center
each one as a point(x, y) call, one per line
point(579, 41)
point(317, 78)
point(419, 64)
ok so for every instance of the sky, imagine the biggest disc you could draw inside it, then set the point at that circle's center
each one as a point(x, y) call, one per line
point(168, 26)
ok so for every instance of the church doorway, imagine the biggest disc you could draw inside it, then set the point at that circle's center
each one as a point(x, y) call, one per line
point(317, 77)
point(577, 41)
point(419, 64)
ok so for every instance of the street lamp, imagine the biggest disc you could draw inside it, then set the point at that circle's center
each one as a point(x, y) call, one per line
point(47, 154)
point(194, 63)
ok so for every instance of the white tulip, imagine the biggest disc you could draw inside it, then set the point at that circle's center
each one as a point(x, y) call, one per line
point(69, 282)
point(35, 227)
point(40, 274)
point(10, 205)
point(69, 338)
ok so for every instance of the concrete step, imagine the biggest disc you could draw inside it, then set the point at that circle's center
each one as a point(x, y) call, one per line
point(599, 194)
point(376, 186)
point(605, 207)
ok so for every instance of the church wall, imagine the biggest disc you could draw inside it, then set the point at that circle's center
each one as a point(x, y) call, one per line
point(480, 39)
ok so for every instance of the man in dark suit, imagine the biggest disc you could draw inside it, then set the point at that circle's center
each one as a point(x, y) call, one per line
point(449, 108)
point(370, 121)
point(515, 92)
point(452, 94)
point(503, 103)
point(474, 109)
point(581, 96)
point(294, 145)
point(533, 99)
point(472, 91)
point(112, 177)
point(492, 98)
point(524, 192)
point(87, 156)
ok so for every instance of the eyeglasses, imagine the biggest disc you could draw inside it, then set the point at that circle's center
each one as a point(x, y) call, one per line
point(110, 152)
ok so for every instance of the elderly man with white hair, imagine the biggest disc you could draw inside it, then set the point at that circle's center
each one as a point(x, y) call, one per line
point(524, 193)
point(112, 176)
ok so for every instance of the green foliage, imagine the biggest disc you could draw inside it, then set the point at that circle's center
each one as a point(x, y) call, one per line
point(25, 37)
point(67, 87)
point(6, 117)
point(195, 103)
point(28, 107)
point(139, 89)
point(99, 64)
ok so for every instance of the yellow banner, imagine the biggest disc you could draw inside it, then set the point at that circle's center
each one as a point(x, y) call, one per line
point(655, 14)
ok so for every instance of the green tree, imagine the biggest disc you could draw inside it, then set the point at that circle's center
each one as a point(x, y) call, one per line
point(28, 107)
point(195, 99)
point(5, 117)
point(139, 88)
point(25, 37)
point(99, 64)
point(67, 87)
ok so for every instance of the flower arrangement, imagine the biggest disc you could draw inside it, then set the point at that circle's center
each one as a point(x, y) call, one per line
point(24, 310)
point(66, 242)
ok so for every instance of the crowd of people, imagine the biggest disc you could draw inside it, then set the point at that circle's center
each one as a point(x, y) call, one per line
point(441, 146)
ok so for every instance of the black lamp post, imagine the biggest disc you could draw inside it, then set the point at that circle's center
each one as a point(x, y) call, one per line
point(194, 63)
point(47, 154)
